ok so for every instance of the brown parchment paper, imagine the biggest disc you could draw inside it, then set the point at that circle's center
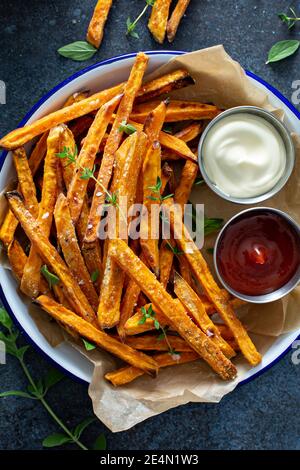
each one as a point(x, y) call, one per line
point(220, 80)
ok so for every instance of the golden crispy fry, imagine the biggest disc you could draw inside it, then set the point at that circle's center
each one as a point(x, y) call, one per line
point(190, 132)
point(104, 176)
point(156, 343)
point(186, 182)
point(96, 27)
point(135, 325)
point(171, 81)
point(81, 125)
point(24, 134)
point(130, 299)
point(182, 193)
point(172, 143)
point(31, 277)
point(50, 256)
point(166, 256)
point(87, 155)
point(68, 242)
point(38, 153)
point(101, 339)
point(177, 111)
point(166, 176)
point(151, 175)
point(128, 374)
point(186, 134)
point(75, 98)
point(25, 180)
point(8, 228)
point(17, 258)
point(175, 18)
point(174, 312)
point(151, 89)
point(10, 223)
point(159, 18)
point(193, 304)
point(149, 232)
point(204, 277)
point(113, 277)
point(155, 121)
point(91, 255)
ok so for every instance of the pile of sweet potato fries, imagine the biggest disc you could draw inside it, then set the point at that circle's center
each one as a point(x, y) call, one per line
point(148, 294)
point(159, 23)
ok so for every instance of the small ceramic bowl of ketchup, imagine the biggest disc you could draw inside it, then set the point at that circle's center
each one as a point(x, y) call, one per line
point(257, 255)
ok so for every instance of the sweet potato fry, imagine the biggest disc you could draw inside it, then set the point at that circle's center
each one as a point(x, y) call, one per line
point(174, 312)
point(75, 98)
point(80, 126)
point(172, 143)
point(128, 374)
point(87, 155)
point(68, 242)
point(167, 175)
point(151, 89)
point(50, 256)
point(24, 134)
point(25, 180)
point(10, 223)
point(151, 176)
point(113, 277)
point(186, 182)
point(177, 111)
point(38, 153)
point(92, 257)
point(17, 259)
point(193, 304)
point(96, 27)
point(31, 276)
point(149, 232)
point(101, 339)
point(136, 325)
point(175, 18)
point(179, 78)
point(155, 121)
point(159, 18)
point(129, 302)
point(155, 343)
point(104, 176)
point(166, 257)
point(204, 277)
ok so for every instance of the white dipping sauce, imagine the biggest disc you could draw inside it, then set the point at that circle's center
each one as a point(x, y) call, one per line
point(244, 155)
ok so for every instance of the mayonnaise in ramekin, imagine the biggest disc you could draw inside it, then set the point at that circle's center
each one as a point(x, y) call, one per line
point(244, 155)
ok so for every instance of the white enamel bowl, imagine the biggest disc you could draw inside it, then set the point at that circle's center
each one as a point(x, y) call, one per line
point(94, 78)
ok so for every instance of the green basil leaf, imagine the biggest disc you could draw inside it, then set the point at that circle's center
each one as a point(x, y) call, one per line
point(21, 351)
point(5, 319)
point(95, 275)
point(88, 346)
point(78, 50)
point(100, 443)
point(50, 277)
point(82, 426)
point(15, 393)
point(56, 439)
point(53, 376)
point(282, 49)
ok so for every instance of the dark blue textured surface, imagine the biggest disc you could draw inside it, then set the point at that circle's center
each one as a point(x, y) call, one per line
point(260, 415)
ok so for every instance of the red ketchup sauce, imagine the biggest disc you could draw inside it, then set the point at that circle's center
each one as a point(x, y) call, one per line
point(258, 253)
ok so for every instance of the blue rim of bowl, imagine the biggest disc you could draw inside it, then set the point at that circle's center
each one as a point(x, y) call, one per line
point(38, 105)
